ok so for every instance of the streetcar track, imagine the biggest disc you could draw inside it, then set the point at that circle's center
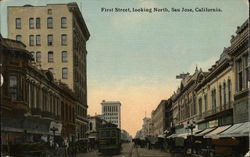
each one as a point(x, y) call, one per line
point(130, 154)
point(137, 152)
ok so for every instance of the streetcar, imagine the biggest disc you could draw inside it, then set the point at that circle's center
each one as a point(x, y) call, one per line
point(109, 139)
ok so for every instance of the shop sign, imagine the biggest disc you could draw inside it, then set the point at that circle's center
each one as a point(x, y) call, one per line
point(56, 126)
point(1, 80)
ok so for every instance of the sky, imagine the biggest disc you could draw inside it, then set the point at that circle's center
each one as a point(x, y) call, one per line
point(134, 57)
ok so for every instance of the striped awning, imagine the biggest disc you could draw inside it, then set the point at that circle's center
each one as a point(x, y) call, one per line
point(214, 134)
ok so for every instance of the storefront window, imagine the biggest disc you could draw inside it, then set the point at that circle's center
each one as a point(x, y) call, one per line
point(13, 87)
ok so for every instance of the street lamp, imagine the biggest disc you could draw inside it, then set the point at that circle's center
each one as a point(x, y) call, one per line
point(54, 129)
point(191, 126)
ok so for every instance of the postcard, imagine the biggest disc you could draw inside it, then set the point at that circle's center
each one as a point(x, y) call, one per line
point(124, 78)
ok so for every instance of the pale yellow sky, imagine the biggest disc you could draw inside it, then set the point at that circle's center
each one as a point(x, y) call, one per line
point(136, 100)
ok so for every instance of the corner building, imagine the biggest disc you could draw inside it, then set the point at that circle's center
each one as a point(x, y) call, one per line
point(111, 111)
point(56, 35)
point(32, 102)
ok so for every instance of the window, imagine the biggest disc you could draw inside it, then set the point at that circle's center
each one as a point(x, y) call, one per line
point(214, 99)
point(38, 56)
point(50, 39)
point(31, 40)
point(31, 23)
point(246, 70)
point(13, 87)
point(205, 100)
point(90, 126)
point(50, 57)
point(38, 23)
point(18, 23)
point(49, 11)
point(63, 22)
point(239, 75)
point(18, 37)
point(229, 90)
point(50, 22)
point(224, 93)
point(64, 73)
point(64, 39)
point(38, 40)
point(64, 56)
point(220, 92)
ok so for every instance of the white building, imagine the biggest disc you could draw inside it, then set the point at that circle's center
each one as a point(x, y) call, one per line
point(147, 129)
point(95, 123)
point(111, 111)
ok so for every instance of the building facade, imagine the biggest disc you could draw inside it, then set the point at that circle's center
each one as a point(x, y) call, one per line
point(111, 111)
point(95, 123)
point(184, 101)
point(56, 35)
point(32, 102)
point(214, 94)
point(239, 50)
point(159, 118)
point(168, 116)
point(146, 130)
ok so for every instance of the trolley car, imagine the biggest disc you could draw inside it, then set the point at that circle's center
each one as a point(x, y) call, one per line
point(109, 139)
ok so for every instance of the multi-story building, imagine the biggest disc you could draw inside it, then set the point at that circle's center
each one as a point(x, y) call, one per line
point(184, 101)
point(111, 111)
point(159, 118)
point(168, 116)
point(239, 50)
point(214, 94)
point(56, 35)
point(32, 102)
point(95, 123)
point(146, 130)
point(147, 126)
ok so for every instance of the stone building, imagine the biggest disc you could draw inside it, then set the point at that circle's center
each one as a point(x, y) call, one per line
point(159, 118)
point(214, 94)
point(32, 103)
point(184, 101)
point(111, 111)
point(147, 126)
point(168, 116)
point(239, 50)
point(146, 130)
point(56, 35)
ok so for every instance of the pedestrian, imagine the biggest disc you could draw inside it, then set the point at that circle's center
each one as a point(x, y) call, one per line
point(161, 145)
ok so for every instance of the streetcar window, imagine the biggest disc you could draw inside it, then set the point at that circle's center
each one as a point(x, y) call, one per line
point(105, 133)
point(113, 133)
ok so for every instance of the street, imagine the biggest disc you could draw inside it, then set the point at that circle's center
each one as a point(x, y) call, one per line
point(128, 150)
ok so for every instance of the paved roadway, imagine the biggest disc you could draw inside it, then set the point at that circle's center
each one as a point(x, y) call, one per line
point(128, 150)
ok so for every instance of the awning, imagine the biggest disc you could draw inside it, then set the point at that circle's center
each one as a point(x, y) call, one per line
point(214, 134)
point(237, 130)
point(204, 132)
point(172, 136)
point(166, 131)
point(183, 135)
point(161, 136)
